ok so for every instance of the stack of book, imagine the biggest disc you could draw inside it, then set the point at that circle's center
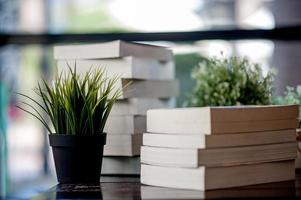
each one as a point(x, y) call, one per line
point(147, 71)
point(219, 147)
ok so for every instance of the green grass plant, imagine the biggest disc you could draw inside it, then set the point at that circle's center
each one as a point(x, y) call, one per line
point(75, 104)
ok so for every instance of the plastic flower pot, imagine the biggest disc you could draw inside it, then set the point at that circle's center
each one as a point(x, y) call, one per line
point(77, 158)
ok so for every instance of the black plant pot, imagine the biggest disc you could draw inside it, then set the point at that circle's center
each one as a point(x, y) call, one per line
point(77, 159)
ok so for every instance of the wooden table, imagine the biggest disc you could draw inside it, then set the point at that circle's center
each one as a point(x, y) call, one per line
point(130, 188)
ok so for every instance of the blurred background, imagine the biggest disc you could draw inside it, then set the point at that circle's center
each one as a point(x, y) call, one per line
point(193, 29)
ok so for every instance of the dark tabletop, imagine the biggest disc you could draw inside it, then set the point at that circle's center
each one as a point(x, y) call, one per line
point(130, 188)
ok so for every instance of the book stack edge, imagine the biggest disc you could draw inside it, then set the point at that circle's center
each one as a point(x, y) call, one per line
point(219, 147)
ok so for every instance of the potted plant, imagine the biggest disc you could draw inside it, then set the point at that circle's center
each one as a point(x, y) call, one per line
point(228, 82)
point(78, 107)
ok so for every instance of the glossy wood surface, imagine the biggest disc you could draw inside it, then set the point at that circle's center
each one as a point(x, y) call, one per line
point(129, 188)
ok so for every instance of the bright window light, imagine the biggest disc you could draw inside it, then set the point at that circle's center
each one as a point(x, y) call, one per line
point(156, 15)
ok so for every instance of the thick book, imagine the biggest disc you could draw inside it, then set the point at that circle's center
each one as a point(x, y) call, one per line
point(137, 88)
point(115, 165)
point(114, 49)
point(127, 67)
point(138, 106)
point(173, 157)
point(147, 88)
point(218, 141)
point(206, 178)
point(125, 124)
point(219, 120)
point(123, 145)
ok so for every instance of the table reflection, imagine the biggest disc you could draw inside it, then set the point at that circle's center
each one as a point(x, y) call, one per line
point(134, 190)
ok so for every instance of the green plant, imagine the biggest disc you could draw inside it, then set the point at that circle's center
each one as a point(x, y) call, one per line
point(291, 96)
point(75, 104)
point(230, 81)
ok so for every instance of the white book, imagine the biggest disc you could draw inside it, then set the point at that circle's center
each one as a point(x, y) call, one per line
point(199, 141)
point(206, 178)
point(123, 145)
point(114, 49)
point(115, 165)
point(127, 67)
point(217, 120)
point(133, 88)
point(138, 106)
point(137, 88)
point(125, 124)
point(172, 157)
